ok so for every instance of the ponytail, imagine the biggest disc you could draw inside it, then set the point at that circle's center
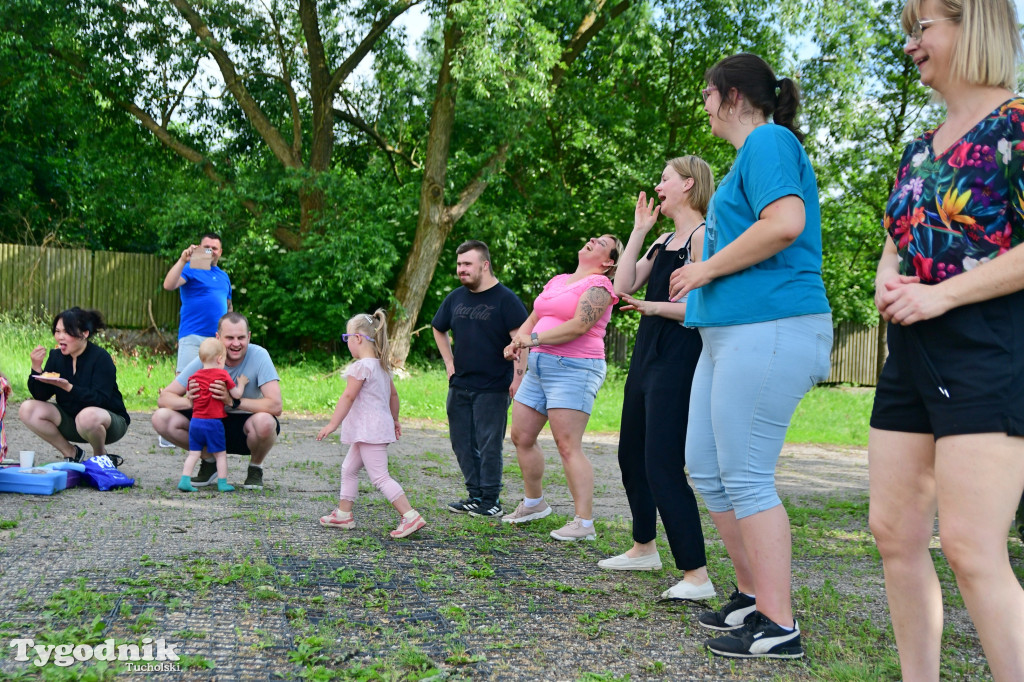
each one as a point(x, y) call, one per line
point(788, 103)
point(77, 321)
point(376, 327)
point(751, 76)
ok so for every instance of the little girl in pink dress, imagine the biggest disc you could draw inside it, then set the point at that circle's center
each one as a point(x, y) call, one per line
point(368, 415)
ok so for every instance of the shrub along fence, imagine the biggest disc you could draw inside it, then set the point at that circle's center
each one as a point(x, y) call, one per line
point(126, 287)
point(858, 352)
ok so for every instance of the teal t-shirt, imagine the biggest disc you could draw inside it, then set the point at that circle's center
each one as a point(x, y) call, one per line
point(770, 165)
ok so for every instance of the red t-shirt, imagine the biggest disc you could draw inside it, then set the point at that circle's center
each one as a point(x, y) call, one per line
point(205, 405)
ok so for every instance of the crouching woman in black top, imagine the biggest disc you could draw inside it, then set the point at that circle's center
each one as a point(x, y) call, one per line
point(82, 377)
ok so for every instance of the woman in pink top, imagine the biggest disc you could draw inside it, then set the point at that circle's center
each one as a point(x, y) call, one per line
point(564, 336)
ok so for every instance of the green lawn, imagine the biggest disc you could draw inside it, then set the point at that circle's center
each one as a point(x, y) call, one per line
point(833, 415)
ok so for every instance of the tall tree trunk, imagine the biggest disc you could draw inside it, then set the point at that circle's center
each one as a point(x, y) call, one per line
point(435, 220)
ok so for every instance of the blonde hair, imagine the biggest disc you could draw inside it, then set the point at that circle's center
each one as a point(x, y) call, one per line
point(989, 46)
point(703, 179)
point(615, 252)
point(376, 327)
point(211, 349)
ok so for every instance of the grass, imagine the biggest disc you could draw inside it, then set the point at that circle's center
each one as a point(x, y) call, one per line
point(831, 415)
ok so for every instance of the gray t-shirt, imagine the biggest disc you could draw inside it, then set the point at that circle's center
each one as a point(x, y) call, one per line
point(256, 364)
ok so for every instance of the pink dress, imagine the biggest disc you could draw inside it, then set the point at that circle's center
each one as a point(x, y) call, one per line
point(369, 419)
point(557, 304)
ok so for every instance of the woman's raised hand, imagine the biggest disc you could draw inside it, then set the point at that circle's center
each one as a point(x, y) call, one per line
point(646, 214)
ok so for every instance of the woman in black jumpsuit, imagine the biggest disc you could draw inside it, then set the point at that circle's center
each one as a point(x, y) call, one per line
point(652, 433)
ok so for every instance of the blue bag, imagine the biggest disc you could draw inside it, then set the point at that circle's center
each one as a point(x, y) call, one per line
point(101, 473)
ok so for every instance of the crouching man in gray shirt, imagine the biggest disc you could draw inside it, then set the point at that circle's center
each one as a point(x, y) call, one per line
point(251, 426)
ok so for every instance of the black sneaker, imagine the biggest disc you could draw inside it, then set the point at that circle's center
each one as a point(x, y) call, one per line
point(463, 506)
point(732, 616)
point(759, 638)
point(254, 479)
point(487, 509)
point(207, 474)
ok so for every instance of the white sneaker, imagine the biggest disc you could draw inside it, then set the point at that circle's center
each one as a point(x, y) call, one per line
point(523, 514)
point(164, 443)
point(684, 591)
point(573, 531)
point(623, 562)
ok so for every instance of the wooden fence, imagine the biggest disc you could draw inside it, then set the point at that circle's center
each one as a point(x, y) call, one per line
point(855, 352)
point(123, 286)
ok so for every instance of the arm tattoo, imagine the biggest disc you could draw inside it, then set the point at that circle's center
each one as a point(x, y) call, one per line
point(592, 305)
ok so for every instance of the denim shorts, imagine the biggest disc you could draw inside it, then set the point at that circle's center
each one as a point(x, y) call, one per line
point(748, 382)
point(553, 381)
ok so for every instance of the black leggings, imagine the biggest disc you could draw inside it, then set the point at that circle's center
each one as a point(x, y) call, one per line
point(652, 455)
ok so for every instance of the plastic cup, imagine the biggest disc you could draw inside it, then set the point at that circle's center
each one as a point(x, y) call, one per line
point(28, 459)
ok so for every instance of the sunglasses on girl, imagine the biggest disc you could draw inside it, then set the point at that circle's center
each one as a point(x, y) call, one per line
point(346, 337)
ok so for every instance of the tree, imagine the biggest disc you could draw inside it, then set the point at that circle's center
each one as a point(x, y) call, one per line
point(864, 103)
point(544, 120)
point(543, 75)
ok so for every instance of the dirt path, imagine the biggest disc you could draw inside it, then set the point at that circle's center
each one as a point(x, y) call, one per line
point(242, 581)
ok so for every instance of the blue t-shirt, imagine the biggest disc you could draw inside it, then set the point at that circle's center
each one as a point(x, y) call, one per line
point(770, 165)
point(204, 300)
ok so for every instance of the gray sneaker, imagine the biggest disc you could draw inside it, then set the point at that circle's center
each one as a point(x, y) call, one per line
point(254, 479)
point(207, 474)
point(573, 531)
point(522, 514)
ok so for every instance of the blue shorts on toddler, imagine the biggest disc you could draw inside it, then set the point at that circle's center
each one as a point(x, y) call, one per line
point(206, 433)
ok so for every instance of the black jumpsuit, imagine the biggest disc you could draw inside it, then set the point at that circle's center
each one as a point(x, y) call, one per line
point(652, 434)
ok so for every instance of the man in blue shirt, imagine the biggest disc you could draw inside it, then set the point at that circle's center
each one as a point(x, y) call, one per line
point(205, 292)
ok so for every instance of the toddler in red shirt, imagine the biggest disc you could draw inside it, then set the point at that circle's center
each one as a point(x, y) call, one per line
point(206, 430)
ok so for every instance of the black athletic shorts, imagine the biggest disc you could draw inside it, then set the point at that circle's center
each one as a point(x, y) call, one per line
point(960, 373)
point(234, 436)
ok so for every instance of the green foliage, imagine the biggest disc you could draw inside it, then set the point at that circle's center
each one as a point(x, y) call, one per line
point(78, 168)
point(864, 103)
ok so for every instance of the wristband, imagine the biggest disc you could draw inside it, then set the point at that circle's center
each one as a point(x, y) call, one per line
point(535, 339)
point(235, 402)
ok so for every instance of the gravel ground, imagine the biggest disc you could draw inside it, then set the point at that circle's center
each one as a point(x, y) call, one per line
point(242, 579)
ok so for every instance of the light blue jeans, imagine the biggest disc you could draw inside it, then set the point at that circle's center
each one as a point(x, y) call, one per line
point(749, 380)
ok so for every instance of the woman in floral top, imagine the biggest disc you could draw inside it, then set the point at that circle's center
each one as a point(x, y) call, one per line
point(948, 419)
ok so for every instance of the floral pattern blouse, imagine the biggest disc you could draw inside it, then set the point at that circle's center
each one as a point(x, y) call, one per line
point(952, 212)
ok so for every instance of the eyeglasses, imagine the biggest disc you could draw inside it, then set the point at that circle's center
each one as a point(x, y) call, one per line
point(346, 337)
point(917, 30)
point(706, 92)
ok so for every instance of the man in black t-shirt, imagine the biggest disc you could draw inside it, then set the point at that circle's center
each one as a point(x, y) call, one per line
point(484, 315)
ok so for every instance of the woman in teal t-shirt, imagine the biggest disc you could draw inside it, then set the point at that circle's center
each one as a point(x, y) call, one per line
point(759, 302)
